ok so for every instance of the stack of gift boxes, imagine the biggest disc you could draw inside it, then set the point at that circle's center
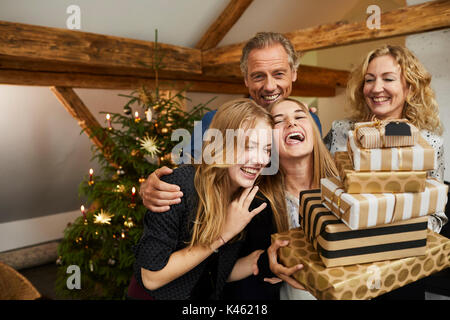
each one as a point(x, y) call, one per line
point(376, 210)
point(382, 191)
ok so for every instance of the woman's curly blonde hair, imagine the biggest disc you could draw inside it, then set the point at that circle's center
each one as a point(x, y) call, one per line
point(420, 108)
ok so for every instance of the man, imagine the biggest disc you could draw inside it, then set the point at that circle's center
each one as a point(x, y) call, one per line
point(269, 65)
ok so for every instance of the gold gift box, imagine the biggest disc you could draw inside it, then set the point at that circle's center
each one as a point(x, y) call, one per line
point(359, 281)
point(372, 135)
point(338, 245)
point(420, 157)
point(365, 210)
point(377, 181)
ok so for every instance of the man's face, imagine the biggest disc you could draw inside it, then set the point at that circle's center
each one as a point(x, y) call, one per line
point(269, 76)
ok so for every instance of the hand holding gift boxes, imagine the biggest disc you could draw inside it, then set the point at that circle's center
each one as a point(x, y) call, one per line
point(359, 281)
point(377, 225)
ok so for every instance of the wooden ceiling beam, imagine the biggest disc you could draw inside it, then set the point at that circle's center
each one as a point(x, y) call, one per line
point(23, 41)
point(93, 81)
point(308, 75)
point(220, 27)
point(419, 18)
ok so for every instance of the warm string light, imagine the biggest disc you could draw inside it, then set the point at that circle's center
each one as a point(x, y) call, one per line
point(91, 177)
point(133, 198)
point(108, 118)
point(136, 117)
point(83, 211)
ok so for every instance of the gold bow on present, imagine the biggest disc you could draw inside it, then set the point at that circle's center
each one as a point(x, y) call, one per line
point(378, 124)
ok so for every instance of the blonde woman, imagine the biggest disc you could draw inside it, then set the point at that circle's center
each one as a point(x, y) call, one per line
point(190, 251)
point(391, 83)
point(303, 160)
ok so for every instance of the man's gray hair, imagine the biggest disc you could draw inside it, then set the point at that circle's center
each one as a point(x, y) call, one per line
point(268, 39)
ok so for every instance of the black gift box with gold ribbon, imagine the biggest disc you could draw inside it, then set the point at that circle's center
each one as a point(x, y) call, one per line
point(338, 245)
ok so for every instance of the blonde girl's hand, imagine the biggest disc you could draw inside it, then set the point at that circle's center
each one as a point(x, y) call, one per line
point(238, 214)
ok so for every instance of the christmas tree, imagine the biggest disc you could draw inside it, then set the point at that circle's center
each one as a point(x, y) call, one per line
point(100, 241)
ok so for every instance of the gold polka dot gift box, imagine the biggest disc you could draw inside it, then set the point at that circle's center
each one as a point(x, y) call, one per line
point(338, 245)
point(419, 157)
point(365, 210)
point(386, 134)
point(359, 281)
point(377, 181)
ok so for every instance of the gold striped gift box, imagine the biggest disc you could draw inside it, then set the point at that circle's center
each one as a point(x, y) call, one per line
point(338, 245)
point(365, 210)
point(420, 157)
point(372, 135)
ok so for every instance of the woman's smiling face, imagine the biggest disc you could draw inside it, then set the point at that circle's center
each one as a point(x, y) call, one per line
point(252, 157)
point(294, 130)
point(385, 88)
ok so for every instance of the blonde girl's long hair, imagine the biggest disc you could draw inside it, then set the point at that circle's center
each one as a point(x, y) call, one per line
point(323, 163)
point(212, 181)
point(420, 108)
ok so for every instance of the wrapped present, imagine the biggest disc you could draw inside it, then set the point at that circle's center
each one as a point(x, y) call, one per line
point(338, 245)
point(386, 134)
point(420, 157)
point(359, 281)
point(364, 210)
point(377, 181)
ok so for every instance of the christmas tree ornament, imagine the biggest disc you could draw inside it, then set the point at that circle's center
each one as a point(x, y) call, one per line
point(149, 145)
point(91, 265)
point(120, 171)
point(148, 114)
point(135, 153)
point(120, 188)
point(103, 217)
point(129, 223)
point(59, 261)
point(127, 110)
point(141, 180)
point(111, 261)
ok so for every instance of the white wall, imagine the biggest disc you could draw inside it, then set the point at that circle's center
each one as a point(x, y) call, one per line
point(433, 50)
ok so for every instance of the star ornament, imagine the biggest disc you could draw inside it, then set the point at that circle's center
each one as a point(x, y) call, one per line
point(103, 217)
point(149, 145)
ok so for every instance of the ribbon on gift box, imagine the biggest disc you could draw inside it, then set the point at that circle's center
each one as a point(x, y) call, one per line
point(420, 157)
point(387, 133)
point(366, 210)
